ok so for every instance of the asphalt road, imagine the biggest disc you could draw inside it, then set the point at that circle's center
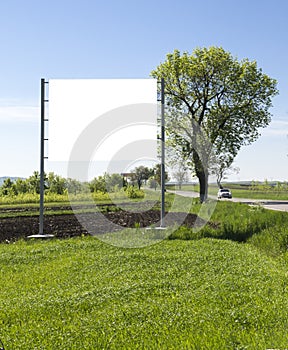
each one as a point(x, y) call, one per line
point(265, 203)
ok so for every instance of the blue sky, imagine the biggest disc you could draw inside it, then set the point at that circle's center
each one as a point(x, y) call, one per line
point(127, 39)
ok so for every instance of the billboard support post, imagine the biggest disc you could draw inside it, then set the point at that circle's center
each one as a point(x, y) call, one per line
point(162, 153)
point(42, 150)
point(42, 160)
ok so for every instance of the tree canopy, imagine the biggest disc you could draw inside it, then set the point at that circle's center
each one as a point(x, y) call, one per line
point(211, 93)
point(141, 174)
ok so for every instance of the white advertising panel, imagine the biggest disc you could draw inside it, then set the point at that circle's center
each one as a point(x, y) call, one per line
point(75, 103)
point(101, 125)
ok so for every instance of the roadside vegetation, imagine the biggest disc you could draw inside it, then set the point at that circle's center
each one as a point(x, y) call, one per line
point(58, 189)
point(265, 229)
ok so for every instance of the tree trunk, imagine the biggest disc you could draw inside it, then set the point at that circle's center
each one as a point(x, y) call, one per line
point(202, 174)
point(219, 184)
point(139, 183)
point(203, 182)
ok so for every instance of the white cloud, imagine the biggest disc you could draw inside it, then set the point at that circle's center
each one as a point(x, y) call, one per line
point(276, 128)
point(11, 111)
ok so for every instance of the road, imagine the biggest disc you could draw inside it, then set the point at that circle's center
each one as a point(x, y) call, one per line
point(265, 203)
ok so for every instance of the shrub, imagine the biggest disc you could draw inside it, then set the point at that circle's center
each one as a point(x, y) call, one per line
point(133, 192)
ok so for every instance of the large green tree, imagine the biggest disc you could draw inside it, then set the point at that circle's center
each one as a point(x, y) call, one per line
point(215, 105)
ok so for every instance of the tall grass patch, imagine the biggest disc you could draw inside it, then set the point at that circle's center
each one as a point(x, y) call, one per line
point(243, 223)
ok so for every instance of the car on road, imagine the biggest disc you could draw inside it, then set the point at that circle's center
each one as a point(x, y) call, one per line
point(224, 193)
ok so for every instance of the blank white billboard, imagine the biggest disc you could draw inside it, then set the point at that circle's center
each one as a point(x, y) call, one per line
point(76, 106)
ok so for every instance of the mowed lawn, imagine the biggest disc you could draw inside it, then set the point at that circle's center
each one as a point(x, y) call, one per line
point(84, 294)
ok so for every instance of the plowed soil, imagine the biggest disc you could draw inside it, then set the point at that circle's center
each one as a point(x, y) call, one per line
point(68, 225)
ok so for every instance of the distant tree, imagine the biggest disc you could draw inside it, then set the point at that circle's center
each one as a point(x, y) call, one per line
point(55, 183)
point(254, 185)
point(33, 182)
point(141, 174)
point(178, 165)
point(106, 183)
point(114, 182)
point(180, 174)
point(74, 186)
point(211, 93)
point(157, 174)
point(21, 186)
point(7, 187)
point(222, 167)
point(266, 186)
point(152, 183)
point(98, 184)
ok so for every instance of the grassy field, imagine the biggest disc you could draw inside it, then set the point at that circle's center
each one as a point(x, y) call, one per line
point(62, 204)
point(83, 294)
point(239, 191)
point(223, 287)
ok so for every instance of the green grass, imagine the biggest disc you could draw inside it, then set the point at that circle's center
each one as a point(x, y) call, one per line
point(273, 195)
point(83, 294)
point(195, 290)
point(30, 202)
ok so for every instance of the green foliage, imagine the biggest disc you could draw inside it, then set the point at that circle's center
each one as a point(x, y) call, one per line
point(27, 191)
point(30, 198)
point(98, 185)
point(7, 188)
point(33, 182)
point(114, 182)
point(75, 187)
point(52, 184)
point(21, 186)
point(141, 175)
point(22, 198)
point(83, 294)
point(133, 192)
point(107, 183)
point(157, 174)
point(55, 183)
